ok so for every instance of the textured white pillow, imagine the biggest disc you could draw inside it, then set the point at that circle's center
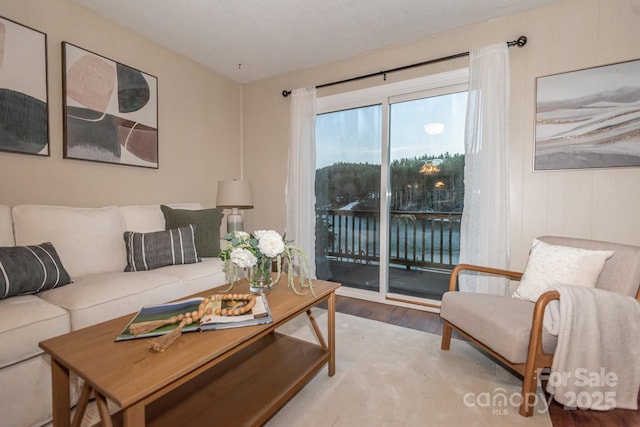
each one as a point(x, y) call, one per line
point(559, 265)
point(88, 240)
point(148, 218)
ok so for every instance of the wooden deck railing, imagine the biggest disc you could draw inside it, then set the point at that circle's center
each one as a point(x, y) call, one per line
point(416, 239)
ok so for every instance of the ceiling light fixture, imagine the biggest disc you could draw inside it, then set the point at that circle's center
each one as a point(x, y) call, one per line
point(430, 167)
point(434, 128)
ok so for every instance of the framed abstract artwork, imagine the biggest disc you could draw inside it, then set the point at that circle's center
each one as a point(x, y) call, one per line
point(589, 118)
point(110, 110)
point(24, 106)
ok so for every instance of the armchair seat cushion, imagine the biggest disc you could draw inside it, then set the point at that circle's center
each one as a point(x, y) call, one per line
point(501, 323)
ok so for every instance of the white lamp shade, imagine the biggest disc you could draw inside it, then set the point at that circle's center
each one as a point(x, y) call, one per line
point(234, 194)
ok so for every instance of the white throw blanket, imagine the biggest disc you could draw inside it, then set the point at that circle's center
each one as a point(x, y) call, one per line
point(596, 364)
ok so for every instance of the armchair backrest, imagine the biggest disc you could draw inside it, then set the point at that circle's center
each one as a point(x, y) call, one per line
point(621, 272)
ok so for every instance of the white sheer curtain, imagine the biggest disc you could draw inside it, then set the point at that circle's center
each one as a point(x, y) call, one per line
point(484, 236)
point(300, 190)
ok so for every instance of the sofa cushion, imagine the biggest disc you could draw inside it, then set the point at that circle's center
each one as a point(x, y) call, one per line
point(88, 240)
point(25, 394)
point(501, 323)
point(146, 218)
point(99, 297)
point(6, 226)
point(25, 321)
point(198, 277)
point(207, 224)
point(30, 269)
point(550, 265)
point(147, 251)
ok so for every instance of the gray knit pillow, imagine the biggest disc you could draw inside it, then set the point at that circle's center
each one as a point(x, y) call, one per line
point(30, 269)
point(206, 223)
point(146, 251)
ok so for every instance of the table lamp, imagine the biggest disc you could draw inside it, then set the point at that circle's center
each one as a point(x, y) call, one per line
point(234, 195)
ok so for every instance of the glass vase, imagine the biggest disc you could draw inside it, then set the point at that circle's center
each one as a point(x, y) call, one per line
point(260, 276)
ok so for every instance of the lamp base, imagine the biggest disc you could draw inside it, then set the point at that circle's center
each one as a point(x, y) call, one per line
point(234, 221)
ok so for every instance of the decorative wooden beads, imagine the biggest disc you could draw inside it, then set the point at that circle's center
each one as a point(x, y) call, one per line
point(195, 315)
point(183, 319)
point(225, 305)
point(234, 304)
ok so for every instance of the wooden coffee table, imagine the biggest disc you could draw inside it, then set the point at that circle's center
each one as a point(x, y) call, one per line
point(239, 376)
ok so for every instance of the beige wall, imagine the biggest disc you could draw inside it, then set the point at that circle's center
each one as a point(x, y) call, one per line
point(200, 117)
point(199, 121)
point(574, 34)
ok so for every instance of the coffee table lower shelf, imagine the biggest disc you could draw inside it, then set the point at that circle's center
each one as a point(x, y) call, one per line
point(245, 389)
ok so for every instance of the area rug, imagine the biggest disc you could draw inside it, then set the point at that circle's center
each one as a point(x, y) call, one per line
point(387, 375)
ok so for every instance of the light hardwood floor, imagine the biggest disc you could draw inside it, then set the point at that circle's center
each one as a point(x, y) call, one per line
point(431, 323)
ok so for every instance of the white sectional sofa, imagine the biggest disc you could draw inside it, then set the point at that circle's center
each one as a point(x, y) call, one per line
point(91, 247)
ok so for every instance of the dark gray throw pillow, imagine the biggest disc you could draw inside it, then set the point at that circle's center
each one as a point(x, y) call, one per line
point(146, 251)
point(30, 269)
point(206, 222)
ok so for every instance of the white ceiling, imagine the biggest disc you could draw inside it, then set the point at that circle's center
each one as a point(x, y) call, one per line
point(273, 37)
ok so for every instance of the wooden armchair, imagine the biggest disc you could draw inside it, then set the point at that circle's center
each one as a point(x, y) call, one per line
point(511, 329)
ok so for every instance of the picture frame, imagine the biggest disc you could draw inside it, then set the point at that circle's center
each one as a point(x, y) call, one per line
point(588, 118)
point(24, 101)
point(110, 110)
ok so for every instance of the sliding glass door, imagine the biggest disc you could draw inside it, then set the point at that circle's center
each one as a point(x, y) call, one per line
point(389, 188)
point(348, 165)
point(426, 145)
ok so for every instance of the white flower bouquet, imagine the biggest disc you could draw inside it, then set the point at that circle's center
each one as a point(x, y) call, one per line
point(254, 254)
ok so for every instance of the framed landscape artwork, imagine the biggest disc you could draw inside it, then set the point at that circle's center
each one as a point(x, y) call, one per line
point(589, 118)
point(110, 110)
point(24, 106)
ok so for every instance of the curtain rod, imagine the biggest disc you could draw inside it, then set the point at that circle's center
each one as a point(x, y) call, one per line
point(521, 41)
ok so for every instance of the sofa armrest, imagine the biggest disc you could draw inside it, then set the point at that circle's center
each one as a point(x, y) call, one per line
point(453, 280)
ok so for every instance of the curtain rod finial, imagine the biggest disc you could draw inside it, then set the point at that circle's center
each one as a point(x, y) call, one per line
point(520, 41)
point(286, 93)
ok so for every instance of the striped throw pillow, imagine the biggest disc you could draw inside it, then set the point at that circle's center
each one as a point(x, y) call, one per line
point(146, 251)
point(30, 269)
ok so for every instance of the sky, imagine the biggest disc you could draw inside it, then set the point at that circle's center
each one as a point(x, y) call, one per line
point(353, 136)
